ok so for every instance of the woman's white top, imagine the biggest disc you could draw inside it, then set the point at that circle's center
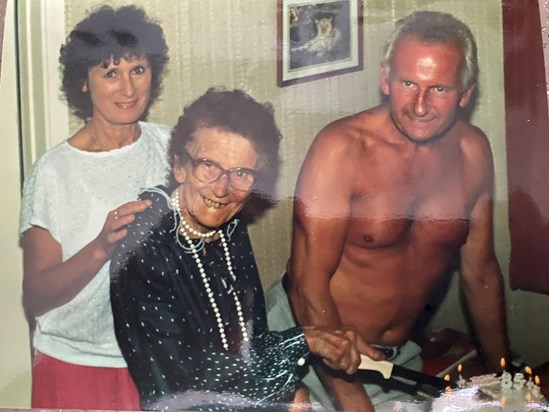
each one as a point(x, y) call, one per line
point(69, 193)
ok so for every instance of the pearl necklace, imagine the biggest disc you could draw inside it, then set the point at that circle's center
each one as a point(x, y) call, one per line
point(183, 230)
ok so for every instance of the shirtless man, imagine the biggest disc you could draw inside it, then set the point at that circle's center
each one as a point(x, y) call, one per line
point(389, 197)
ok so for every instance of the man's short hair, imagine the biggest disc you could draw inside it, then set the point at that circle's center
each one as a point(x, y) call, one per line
point(436, 27)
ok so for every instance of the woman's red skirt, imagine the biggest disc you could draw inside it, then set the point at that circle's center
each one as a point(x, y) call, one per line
point(61, 385)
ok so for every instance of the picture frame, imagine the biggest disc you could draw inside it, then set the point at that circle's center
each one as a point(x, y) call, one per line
point(318, 39)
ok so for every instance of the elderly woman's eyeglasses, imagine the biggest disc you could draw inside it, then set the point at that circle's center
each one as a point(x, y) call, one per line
point(208, 171)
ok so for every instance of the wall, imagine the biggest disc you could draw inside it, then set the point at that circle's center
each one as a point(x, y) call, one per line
point(233, 43)
point(14, 347)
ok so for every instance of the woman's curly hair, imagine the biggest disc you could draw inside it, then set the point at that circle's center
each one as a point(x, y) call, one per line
point(107, 35)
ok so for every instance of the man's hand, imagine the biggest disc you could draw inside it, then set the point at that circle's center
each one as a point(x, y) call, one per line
point(340, 348)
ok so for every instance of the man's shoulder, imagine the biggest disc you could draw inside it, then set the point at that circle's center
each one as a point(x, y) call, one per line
point(474, 149)
point(356, 125)
point(472, 138)
point(358, 121)
point(355, 128)
point(470, 131)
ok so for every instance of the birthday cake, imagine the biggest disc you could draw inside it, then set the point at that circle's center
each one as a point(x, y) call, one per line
point(493, 393)
point(444, 352)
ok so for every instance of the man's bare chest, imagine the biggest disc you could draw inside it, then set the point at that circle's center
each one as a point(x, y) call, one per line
point(432, 210)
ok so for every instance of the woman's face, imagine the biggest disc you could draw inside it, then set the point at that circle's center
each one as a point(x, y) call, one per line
point(208, 205)
point(119, 92)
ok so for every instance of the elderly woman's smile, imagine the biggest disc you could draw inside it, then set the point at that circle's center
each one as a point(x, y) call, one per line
point(213, 204)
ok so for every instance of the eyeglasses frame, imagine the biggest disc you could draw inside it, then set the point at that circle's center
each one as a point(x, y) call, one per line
point(196, 160)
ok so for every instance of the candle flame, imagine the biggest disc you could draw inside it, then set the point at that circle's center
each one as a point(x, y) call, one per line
point(537, 380)
point(528, 370)
point(460, 368)
point(528, 397)
point(502, 363)
point(447, 378)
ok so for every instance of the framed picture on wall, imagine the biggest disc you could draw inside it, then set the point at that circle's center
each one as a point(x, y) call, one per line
point(317, 39)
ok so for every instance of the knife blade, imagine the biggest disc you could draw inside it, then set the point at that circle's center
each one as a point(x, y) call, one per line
point(388, 370)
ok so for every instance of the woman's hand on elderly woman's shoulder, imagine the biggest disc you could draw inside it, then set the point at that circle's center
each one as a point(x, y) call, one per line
point(114, 228)
point(339, 348)
point(49, 281)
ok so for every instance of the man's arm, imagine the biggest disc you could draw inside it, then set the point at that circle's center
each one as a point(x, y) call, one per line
point(482, 281)
point(321, 214)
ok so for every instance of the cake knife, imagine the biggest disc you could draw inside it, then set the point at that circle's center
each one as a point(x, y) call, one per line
point(388, 370)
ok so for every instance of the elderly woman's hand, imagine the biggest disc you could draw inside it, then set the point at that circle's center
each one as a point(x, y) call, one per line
point(339, 348)
point(114, 228)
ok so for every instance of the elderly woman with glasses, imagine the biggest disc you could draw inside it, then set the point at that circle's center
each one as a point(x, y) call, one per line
point(186, 296)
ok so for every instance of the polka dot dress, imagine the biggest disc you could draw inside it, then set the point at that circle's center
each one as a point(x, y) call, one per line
point(168, 332)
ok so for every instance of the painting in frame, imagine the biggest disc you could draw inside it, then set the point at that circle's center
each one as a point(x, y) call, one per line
point(318, 39)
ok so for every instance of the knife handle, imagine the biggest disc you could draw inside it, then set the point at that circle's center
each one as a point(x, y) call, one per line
point(383, 367)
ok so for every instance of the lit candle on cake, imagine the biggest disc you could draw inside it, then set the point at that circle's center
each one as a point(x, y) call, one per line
point(536, 389)
point(506, 377)
point(461, 382)
point(503, 364)
point(447, 379)
point(528, 371)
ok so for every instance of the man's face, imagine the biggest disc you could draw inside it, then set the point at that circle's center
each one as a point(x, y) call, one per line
point(424, 88)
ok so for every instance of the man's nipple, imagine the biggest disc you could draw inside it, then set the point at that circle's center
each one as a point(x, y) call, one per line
point(368, 238)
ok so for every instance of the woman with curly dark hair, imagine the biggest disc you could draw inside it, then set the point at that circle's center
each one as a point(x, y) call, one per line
point(77, 201)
